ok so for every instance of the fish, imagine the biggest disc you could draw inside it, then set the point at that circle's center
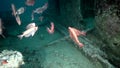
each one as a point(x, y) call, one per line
point(20, 11)
point(30, 2)
point(13, 9)
point(1, 28)
point(18, 20)
point(41, 9)
point(30, 25)
point(51, 29)
point(30, 31)
point(74, 33)
point(14, 12)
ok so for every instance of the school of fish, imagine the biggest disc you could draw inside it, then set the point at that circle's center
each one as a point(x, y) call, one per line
point(31, 28)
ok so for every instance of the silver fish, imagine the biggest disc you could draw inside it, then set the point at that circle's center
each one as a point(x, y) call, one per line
point(20, 11)
point(17, 13)
point(31, 29)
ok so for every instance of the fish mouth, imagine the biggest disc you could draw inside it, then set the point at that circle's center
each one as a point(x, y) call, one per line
point(69, 27)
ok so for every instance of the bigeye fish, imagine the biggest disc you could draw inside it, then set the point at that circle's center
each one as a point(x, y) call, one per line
point(30, 31)
point(74, 33)
point(51, 29)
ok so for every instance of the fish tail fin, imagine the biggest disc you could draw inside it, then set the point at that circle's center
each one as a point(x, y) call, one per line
point(20, 36)
point(80, 44)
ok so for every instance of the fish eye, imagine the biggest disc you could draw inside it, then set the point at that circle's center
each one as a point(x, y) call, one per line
point(6, 60)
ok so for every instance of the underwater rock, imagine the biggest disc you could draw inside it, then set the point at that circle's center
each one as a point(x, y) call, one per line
point(108, 27)
point(10, 59)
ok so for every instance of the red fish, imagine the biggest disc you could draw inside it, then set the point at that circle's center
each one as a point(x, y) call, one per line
point(74, 33)
point(51, 29)
point(30, 2)
point(4, 62)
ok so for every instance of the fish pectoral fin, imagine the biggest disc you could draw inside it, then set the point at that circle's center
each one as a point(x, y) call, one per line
point(33, 33)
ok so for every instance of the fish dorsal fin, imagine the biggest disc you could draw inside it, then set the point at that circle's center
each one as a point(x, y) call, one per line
point(30, 25)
